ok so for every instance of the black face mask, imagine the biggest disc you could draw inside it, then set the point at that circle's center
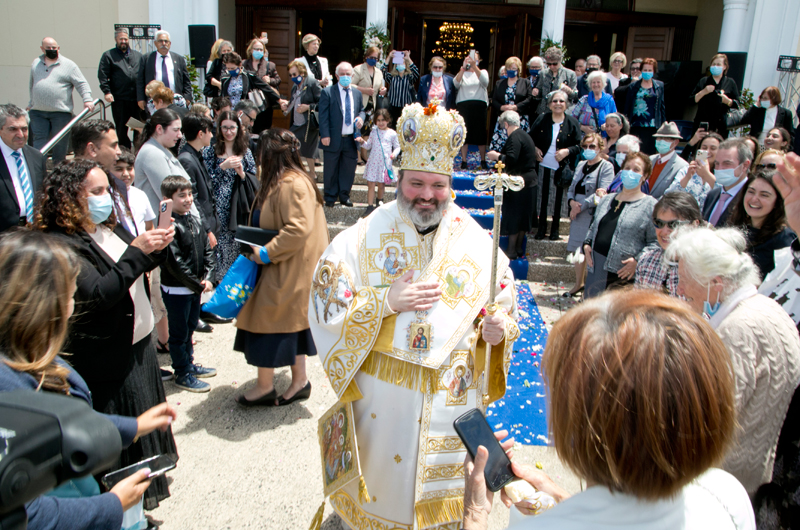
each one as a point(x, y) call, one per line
point(51, 54)
point(592, 69)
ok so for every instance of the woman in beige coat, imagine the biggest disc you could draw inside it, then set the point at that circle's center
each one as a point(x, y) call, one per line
point(273, 324)
point(368, 79)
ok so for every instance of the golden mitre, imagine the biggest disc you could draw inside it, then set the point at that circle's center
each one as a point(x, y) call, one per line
point(430, 137)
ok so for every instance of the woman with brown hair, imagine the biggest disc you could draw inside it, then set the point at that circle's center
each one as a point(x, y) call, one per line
point(761, 216)
point(37, 291)
point(110, 342)
point(778, 138)
point(273, 328)
point(715, 95)
point(227, 160)
point(259, 65)
point(768, 113)
point(641, 395)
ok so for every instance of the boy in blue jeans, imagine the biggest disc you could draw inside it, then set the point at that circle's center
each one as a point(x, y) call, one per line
point(185, 276)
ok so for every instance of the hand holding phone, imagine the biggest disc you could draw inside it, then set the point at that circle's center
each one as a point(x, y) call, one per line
point(474, 431)
point(704, 125)
point(157, 465)
point(165, 214)
point(702, 156)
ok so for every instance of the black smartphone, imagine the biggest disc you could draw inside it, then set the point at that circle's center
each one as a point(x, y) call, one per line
point(704, 125)
point(474, 431)
point(158, 465)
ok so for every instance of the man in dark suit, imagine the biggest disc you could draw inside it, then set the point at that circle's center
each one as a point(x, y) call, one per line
point(730, 169)
point(118, 73)
point(341, 115)
point(22, 169)
point(165, 66)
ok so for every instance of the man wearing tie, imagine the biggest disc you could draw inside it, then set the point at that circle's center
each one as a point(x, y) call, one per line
point(22, 169)
point(165, 66)
point(730, 170)
point(341, 116)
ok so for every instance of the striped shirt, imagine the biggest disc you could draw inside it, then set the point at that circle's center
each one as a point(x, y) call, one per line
point(401, 88)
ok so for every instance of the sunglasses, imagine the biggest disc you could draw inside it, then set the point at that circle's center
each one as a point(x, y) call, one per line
point(672, 225)
point(759, 167)
point(552, 64)
point(636, 68)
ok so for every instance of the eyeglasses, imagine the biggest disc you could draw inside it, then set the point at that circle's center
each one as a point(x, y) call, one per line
point(553, 64)
point(672, 225)
point(759, 167)
point(230, 128)
point(618, 61)
point(636, 68)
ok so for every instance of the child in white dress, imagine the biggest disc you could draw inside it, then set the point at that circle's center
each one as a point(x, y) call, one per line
point(384, 147)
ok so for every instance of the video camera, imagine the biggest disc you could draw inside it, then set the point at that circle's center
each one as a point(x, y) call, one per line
point(45, 440)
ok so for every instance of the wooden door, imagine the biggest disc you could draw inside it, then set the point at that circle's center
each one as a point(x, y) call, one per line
point(280, 25)
point(650, 42)
point(407, 33)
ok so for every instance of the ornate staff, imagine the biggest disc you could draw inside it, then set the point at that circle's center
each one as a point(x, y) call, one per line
point(498, 181)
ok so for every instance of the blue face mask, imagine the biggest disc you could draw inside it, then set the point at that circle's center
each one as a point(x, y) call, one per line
point(400, 67)
point(344, 81)
point(297, 80)
point(258, 55)
point(765, 103)
point(233, 73)
point(630, 179)
point(371, 61)
point(715, 70)
point(663, 146)
point(589, 154)
point(511, 74)
point(647, 76)
point(100, 207)
point(503, 77)
point(620, 158)
point(709, 311)
point(534, 72)
point(726, 177)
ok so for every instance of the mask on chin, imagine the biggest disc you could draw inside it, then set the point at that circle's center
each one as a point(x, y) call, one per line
point(708, 310)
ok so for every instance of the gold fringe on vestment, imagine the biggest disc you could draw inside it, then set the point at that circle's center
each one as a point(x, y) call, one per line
point(404, 374)
point(434, 512)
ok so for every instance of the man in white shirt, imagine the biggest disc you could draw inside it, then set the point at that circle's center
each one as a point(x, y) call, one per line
point(730, 170)
point(341, 116)
point(165, 66)
point(22, 169)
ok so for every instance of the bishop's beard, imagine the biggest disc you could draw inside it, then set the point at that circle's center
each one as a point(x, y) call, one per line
point(424, 219)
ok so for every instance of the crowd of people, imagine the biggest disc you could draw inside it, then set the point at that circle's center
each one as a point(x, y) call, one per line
point(704, 233)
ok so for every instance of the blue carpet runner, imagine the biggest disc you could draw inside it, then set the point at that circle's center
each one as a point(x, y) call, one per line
point(523, 410)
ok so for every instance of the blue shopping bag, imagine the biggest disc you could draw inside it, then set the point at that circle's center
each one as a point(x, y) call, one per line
point(234, 289)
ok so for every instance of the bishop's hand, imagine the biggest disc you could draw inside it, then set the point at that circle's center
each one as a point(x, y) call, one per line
point(494, 328)
point(407, 296)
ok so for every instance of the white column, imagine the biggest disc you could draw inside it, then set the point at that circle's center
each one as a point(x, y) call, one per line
point(553, 20)
point(377, 12)
point(176, 15)
point(776, 30)
point(734, 21)
point(206, 12)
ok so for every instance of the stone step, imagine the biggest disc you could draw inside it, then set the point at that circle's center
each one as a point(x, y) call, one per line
point(359, 179)
point(546, 248)
point(358, 193)
point(550, 270)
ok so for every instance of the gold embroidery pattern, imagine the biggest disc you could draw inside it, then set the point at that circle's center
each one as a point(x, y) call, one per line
point(332, 286)
point(459, 282)
point(360, 330)
point(398, 458)
point(357, 518)
point(442, 472)
point(444, 444)
point(457, 493)
point(394, 257)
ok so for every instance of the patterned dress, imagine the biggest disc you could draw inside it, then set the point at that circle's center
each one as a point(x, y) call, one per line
point(227, 249)
point(235, 90)
point(499, 137)
point(379, 153)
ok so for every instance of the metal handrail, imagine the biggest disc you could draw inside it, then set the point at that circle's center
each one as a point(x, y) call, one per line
point(99, 106)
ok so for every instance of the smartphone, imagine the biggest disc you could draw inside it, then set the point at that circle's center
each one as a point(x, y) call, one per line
point(704, 125)
point(472, 54)
point(702, 156)
point(158, 465)
point(165, 214)
point(399, 58)
point(474, 431)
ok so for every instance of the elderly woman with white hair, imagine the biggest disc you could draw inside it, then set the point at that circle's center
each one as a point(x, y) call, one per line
point(718, 279)
point(519, 157)
point(592, 109)
point(627, 145)
point(615, 75)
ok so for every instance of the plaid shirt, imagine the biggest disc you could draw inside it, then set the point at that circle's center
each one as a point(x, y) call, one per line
point(653, 273)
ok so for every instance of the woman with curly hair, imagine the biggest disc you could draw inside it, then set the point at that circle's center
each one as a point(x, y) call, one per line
point(227, 161)
point(110, 342)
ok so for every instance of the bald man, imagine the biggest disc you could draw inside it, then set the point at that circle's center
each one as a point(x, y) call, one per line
point(53, 77)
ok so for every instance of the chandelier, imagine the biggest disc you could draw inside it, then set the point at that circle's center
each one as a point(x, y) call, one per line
point(455, 40)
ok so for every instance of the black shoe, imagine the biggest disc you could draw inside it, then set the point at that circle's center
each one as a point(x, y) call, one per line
point(267, 400)
point(369, 209)
point(464, 164)
point(203, 327)
point(346, 202)
point(216, 319)
point(161, 347)
point(166, 375)
point(484, 165)
point(539, 236)
point(554, 237)
point(330, 204)
point(301, 395)
point(570, 293)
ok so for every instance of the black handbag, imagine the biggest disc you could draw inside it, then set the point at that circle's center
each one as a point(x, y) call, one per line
point(243, 196)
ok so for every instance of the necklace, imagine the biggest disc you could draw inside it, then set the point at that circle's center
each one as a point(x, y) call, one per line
point(618, 206)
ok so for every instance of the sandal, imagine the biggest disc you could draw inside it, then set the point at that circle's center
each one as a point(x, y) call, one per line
point(162, 347)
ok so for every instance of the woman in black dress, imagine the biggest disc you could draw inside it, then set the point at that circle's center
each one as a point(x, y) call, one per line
point(715, 94)
point(258, 64)
point(110, 341)
point(557, 137)
point(519, 157)
point(302, 106)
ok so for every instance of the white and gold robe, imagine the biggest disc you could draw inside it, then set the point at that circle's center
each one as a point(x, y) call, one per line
point(405, 399)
